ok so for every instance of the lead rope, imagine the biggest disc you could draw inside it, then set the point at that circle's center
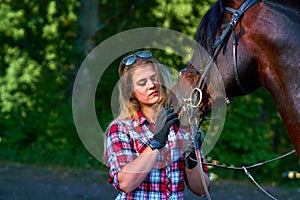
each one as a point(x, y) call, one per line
point(193, 123)
point(253, 166)
point(253, 180)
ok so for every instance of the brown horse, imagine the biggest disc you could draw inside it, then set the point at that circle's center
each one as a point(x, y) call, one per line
point(265, 36)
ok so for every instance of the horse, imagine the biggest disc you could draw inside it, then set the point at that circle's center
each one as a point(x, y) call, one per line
point(264, 35)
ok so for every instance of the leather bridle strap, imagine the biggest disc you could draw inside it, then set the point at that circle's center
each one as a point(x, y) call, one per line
point(236, 16)
point(219, 44)
point(235, 65)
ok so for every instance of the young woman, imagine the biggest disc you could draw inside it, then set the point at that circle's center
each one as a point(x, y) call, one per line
point(146, 152)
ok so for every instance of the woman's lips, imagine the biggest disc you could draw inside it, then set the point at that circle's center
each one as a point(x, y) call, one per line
point(155, 93)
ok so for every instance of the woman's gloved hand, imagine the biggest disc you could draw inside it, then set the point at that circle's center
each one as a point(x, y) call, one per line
point(191, 159)
point(165, 118)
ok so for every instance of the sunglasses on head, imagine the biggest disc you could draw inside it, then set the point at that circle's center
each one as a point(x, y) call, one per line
point(130, 59)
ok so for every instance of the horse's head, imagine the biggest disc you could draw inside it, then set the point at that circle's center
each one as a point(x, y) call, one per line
point(181, 96)
point(196, 90)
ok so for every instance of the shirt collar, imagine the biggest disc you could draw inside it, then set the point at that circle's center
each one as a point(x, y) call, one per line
point(141, 118)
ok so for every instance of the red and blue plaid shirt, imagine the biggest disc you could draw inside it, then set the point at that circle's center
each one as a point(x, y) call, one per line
point(126, 139)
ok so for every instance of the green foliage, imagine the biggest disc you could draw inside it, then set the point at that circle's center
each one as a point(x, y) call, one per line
point(182, 15)
point(38, 59)
point(38, 47)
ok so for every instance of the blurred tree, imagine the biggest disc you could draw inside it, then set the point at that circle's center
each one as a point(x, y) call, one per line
point(88, 25)
point(37, 57)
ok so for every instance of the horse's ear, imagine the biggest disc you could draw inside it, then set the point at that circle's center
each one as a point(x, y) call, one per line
point(190, 66)
point(222, 4)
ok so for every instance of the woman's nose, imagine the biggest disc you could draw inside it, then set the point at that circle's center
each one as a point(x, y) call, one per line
point(150, 84)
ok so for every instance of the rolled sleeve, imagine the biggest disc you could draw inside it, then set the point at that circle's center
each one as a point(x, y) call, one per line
point(118, 150)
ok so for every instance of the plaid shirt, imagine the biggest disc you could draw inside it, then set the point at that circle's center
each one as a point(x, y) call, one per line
point(126, 139)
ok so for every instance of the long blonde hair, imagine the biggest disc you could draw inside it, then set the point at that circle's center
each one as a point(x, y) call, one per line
point(129, 105)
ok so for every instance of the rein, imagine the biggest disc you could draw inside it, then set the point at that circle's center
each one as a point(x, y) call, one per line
point(252, 167)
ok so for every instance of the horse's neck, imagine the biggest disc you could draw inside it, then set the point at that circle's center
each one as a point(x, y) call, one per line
point(279, 68)
point(291, 4)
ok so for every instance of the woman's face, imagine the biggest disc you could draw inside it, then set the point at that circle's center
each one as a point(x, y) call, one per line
point(145, 86)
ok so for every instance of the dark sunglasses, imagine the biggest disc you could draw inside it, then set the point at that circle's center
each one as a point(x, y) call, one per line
point(130, 59)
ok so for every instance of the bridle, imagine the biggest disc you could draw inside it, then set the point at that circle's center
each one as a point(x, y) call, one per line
point(195, 97)
point(217, 47)
point(219, 44)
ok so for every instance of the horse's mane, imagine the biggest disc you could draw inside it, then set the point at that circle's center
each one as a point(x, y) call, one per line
point(208, 26)
point(210, 22)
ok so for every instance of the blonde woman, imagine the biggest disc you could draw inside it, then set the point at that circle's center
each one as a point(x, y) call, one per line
point(145, 149)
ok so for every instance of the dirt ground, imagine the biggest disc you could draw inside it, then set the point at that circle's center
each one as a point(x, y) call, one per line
point(24, 182)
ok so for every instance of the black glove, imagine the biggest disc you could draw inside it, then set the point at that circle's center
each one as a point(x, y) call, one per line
point(191, 160)
point(165, 118)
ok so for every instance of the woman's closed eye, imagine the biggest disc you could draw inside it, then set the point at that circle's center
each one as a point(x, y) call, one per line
point(142, 82)
point(153, 78)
